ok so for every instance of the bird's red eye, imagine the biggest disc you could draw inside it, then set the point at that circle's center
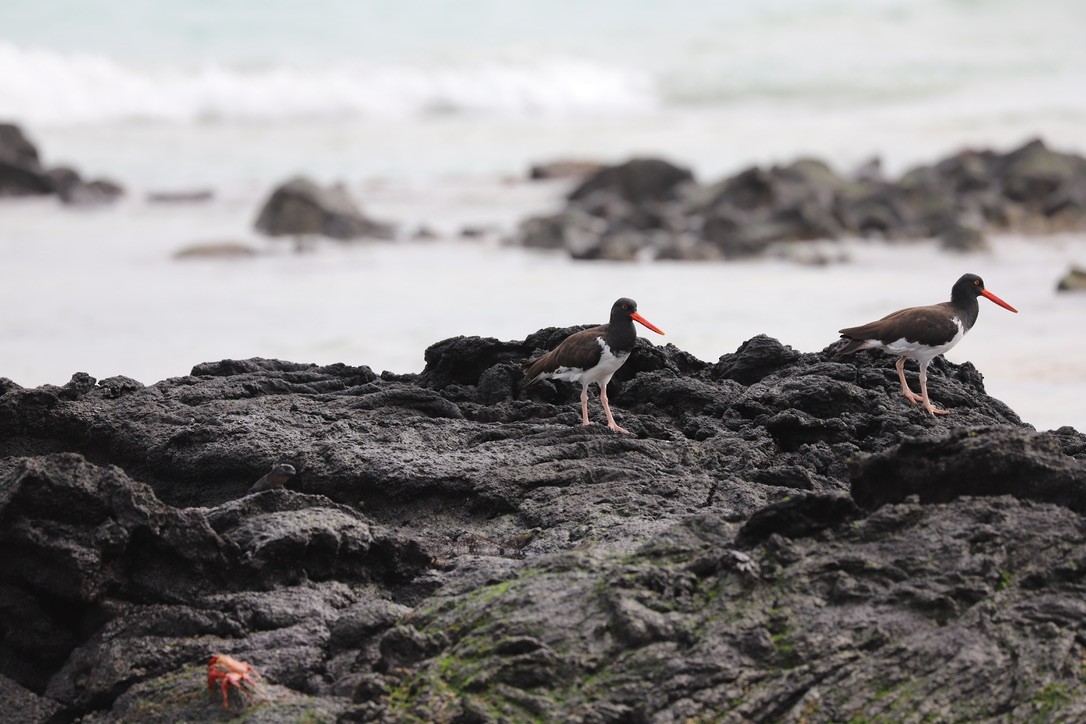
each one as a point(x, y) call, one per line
point(976, 282)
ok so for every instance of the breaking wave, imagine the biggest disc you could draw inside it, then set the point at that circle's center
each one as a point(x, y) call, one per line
point(40, 86)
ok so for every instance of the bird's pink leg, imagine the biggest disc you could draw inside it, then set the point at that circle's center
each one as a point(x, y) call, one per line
point(607, 410)
point(584, 407)
point(905, 391)
point(932, 409)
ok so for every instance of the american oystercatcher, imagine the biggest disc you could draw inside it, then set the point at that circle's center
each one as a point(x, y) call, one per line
point(592, 355)
point(923, 333)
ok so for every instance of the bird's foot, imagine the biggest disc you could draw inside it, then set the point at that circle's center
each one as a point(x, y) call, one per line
point(911, 396)
point(614, 426)
point(933, 410)
point(586, 423)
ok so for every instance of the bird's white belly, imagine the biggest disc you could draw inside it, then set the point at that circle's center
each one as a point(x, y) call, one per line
point(921, 352)
point(607, 366)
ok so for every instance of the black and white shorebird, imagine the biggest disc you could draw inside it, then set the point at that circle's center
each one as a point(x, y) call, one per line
point(923, 333)
point(592, 355)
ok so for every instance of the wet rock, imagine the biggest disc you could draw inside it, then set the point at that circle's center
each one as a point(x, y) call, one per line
point(972, 461)
point(358, 624)
point(1073, 281)
point(317, 542)
point(563, 169)
point(636, 181)
point(571, 229)
point(476, 231)
point(1033, 174)
point(301, 206)
point(650, 208)
point(961, 238)
point(23, 705)
point(403, 646)
point(185, 196)
point(216, 250)
point(74, 191)
point(455, 545)
point(796, 517)
point(863, 609)
point(16, 148)
point(16, 180)
point(74, 535)
point(21, 172)
point(619, 246)
point(463, 360)
point(755, 358)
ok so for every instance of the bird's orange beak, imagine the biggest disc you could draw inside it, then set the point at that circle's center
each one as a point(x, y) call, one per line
point(997, 300)
point(638, 318)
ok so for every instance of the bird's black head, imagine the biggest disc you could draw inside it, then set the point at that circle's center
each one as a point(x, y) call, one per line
point(969, 287)
point(625, 309)
point(968, 284)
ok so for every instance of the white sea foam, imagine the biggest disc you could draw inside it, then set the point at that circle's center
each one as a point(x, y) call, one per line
point(48, 87)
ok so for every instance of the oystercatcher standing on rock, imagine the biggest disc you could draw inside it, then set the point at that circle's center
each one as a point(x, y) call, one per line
point(923, 333)
point(592, 355)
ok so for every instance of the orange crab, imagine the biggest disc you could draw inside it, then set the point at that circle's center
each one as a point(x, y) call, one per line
point(226, 671)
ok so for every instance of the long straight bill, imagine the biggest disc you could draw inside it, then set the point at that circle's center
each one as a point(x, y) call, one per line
point(998, 301)
point(638, 318)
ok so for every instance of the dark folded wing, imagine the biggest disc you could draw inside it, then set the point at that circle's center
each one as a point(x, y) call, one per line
point(580, 350)
point(932, 326)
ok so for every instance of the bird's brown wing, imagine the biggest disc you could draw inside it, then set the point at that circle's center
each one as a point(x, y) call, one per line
point(933, 325)
point(580, 350)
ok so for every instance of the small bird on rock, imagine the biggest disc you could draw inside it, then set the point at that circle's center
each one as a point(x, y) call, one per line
point(923, 333)
point(277, 477)
point(592, 355)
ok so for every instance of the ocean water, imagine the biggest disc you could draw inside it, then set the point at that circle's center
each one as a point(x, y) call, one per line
point(232, 93)
point(432, 112)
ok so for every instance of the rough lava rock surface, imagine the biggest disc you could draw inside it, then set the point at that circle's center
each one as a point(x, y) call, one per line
point(782, 538)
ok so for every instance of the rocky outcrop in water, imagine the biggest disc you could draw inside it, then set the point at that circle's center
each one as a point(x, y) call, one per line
point(782, 537)
point(1032, 189)
point(1073, 281)
point(301, 207)
point(22, 174)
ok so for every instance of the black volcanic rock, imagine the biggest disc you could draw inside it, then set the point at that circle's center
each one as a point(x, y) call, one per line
point(75, 191)
point(1073, 281)
point(964, 612)
point(22, 174)
point(651, 209)
point(781, 536)
point(636, 181)
point(973, 461)
point(16, 148)
point(300, 206)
